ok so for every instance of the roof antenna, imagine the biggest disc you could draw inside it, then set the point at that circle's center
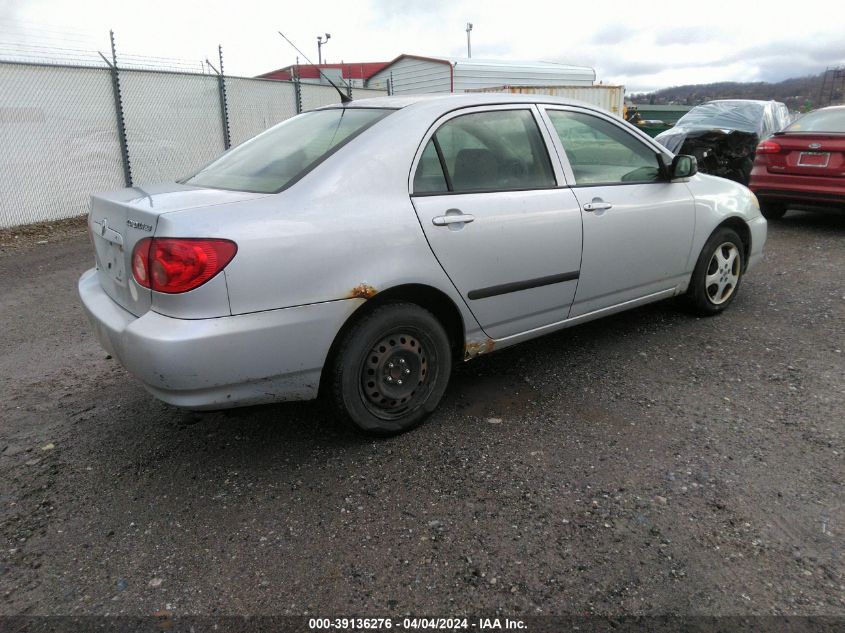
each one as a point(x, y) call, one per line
point(344, 98)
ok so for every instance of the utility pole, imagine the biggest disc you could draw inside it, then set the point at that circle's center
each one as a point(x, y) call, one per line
point(320, 42)
point(469, 47)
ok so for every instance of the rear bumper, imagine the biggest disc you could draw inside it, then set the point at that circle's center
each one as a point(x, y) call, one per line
point(807, 197)
point(270, 356)
point(785, 187)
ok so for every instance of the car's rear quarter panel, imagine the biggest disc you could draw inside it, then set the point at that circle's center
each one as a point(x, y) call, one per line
point(346, 231)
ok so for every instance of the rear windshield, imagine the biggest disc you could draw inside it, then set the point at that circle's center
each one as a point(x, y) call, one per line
point(277, 158)
point(820, 121)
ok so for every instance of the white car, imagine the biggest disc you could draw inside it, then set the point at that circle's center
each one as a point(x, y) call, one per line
point(359, 250)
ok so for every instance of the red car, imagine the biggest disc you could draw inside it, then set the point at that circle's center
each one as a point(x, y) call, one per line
point(803, 164)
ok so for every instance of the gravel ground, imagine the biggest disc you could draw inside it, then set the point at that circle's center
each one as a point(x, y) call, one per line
point(647, 463)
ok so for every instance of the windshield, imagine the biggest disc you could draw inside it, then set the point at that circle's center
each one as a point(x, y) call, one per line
point(820, 121)
point(277, 158)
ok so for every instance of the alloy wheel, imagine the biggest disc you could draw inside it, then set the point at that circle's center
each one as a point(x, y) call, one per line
point(723, 272)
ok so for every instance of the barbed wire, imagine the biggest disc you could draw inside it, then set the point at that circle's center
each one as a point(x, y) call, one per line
point(25, 41)
point(45, 55)
point(42, 51)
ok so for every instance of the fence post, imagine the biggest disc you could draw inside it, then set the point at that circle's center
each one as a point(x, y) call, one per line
point(297, 92)
point(118, 109)
point(224, 107)
point(348, 83)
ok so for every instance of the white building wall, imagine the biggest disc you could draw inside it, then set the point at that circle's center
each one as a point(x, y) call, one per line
point(607, 97)
point(414, 76)
point(473, 75)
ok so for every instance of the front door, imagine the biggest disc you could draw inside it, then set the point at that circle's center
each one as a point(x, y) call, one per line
point(638, 226)
point(486, 195)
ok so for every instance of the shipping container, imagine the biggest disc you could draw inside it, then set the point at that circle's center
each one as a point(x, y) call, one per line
point(610, 98)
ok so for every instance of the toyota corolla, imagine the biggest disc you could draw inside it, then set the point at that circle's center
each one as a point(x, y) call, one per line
point(358, 251)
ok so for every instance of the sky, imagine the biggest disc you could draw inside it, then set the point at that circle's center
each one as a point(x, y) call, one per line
point(644, 46)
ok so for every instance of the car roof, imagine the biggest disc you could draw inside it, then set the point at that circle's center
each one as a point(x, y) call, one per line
point(447, 102)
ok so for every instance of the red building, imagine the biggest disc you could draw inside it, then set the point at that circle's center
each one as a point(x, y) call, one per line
point(353, 73)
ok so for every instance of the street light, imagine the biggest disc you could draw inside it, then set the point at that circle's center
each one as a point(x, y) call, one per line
point(469, 48)
point(320, 42)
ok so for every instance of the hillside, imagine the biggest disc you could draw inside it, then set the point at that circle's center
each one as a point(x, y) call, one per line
point(796, 92)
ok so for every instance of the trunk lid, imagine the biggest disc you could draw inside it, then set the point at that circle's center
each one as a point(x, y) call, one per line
point(809, 155)
point(119, 220)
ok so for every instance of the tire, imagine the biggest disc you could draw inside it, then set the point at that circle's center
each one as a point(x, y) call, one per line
point(718, 273)
point(745, 171)
point(390, 370)
point(772, 210)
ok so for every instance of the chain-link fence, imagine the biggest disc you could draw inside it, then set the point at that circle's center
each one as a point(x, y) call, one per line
point(255, 105)
point(60, 129)
point(173, 123)
point(58, 141)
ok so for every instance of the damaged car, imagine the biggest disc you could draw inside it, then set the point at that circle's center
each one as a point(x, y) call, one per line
point(723, 135)
point(357, 251)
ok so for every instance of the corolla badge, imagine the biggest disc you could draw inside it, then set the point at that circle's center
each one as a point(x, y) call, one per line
point(139, 225)
point(814, 145)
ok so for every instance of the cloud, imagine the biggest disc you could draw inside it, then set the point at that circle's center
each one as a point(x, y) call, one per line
point(724, 41)
point(613, 34)
point(629, 67)
point(774, 62)
point(404, 9)
point(685, 35)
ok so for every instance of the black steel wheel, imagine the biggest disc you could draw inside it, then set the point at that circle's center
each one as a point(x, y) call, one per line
point(391, 369)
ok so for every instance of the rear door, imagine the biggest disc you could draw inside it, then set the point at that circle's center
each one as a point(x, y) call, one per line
point(486, 194)
point(638, 227)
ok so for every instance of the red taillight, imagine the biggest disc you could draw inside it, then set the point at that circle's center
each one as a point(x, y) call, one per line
point(769, 147)
point(173, 265)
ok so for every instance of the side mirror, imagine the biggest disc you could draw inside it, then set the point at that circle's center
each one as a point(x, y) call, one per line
point(683, 166)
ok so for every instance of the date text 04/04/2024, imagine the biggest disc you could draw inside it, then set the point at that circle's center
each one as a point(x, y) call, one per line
point(443, 624)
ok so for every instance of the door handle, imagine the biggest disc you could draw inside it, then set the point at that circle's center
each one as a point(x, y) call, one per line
point(597, 206)
point(455, 218)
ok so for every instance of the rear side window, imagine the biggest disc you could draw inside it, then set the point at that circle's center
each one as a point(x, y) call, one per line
point(429, 177)
point(283, 154)
point(602, 153)
point(485, 151)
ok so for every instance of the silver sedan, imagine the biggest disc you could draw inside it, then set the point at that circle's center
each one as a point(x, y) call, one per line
point(358, 251)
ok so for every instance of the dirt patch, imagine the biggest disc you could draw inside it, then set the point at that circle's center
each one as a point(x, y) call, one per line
point(40, 234)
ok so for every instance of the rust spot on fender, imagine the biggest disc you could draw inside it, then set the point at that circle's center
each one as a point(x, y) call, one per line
point(362, 291)
point(477, 348)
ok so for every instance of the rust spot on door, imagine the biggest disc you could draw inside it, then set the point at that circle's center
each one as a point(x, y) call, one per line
point(477, 348)
point(362, 291)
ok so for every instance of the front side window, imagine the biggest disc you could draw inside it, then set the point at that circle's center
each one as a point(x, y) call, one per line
point(485, 151)
point(278, 157)
point(602, 153)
